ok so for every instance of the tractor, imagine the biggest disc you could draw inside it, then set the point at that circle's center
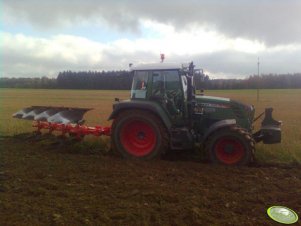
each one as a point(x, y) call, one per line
point(164, 113)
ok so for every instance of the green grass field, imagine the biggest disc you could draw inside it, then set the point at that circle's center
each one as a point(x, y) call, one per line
point(286, 104)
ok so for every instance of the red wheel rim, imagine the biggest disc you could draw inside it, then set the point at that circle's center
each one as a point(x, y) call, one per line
point(138, 138)
point(229, 150)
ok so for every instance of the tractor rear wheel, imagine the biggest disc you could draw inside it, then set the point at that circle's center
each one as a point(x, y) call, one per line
point(139, 134)
point(230, 146)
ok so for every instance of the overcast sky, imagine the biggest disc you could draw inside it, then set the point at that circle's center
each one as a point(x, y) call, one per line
point(225, 38)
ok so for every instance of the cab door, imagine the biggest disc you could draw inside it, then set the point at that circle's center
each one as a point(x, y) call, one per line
point(167, 89)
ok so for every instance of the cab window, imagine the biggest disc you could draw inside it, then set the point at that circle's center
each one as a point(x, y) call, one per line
point(139, 85)
point(167, 88)
point(165, 82)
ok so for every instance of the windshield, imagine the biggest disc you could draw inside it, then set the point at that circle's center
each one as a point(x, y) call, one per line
point(165, 82)
point(139, 85)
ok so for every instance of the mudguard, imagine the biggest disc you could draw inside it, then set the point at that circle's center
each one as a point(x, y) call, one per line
point(218, 125)
point(150, 106)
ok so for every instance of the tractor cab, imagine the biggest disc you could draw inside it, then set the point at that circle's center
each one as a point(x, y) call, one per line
point(163, 84)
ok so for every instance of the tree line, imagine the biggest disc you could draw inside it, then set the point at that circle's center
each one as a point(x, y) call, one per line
point(269, 81)
point(121, 80)
point(110, 80)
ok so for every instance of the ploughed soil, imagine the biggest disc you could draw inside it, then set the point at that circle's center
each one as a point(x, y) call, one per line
point(49, 183)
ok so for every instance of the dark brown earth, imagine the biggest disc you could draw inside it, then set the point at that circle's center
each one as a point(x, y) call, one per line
point(46, 184)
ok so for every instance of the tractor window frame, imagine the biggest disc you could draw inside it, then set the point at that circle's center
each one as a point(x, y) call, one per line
point(184, 86)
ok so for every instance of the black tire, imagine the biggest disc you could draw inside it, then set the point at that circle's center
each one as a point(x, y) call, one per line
point(230, 146)
point(138, 134)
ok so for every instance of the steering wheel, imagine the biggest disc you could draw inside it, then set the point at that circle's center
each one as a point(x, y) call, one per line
point(157, 92)
point(173, 94)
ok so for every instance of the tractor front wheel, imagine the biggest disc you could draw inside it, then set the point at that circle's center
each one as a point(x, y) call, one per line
point(230, 146)
point(139, 135)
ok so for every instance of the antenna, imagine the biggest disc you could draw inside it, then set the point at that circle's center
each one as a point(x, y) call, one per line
point(162, 57)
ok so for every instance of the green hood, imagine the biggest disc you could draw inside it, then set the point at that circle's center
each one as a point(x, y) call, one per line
point(212, 99)
point(220, 107)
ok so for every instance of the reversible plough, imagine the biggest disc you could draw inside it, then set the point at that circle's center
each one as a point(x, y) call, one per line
point(67, 121)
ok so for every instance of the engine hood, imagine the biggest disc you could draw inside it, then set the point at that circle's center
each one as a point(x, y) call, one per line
point(213, 100)
point(241, 110)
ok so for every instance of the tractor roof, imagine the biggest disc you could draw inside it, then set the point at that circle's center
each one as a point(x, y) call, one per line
point(158, 66)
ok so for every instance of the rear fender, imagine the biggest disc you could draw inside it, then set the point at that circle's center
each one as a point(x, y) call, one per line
point(218, 125)
point(152, 107)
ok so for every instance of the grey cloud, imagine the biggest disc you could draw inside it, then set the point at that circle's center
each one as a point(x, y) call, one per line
point(271, 21)
point(244, 64)
point(235, 64)
point(231, 64)
point(57, 14)
point(25, 63)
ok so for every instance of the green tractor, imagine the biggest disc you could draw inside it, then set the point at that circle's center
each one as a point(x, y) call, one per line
point(164, 113)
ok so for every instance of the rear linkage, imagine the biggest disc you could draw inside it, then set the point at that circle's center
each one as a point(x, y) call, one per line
point(270, 131)
point(62, 119)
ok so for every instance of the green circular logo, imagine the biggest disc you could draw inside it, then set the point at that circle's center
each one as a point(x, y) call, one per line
point(282, 214)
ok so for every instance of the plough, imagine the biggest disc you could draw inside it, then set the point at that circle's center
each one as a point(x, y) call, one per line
point(68, 121)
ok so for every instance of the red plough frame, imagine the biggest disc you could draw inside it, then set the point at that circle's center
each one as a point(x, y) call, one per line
point(75, 130)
